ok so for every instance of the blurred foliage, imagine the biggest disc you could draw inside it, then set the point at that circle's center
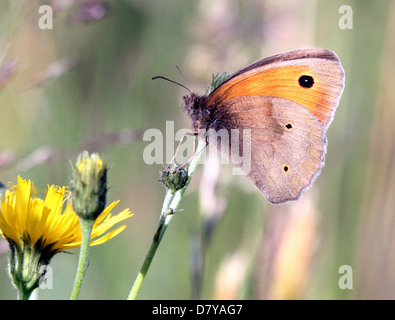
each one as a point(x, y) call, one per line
point(87, 85)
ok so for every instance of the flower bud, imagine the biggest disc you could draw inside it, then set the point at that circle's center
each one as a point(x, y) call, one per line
point(174, 178)
point(89, 185)
point(216, 81)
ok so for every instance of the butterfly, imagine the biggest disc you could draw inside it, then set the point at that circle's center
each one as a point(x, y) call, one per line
point(286, 102)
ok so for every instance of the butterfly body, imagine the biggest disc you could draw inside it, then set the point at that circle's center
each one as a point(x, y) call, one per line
point(286, 102)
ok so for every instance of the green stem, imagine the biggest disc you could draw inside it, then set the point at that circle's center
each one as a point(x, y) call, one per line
point(86, 230)
point(24, 293)
point(163, 223)
point(171, 201)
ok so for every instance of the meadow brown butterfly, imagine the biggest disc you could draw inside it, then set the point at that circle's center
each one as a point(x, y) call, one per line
point(287, 101)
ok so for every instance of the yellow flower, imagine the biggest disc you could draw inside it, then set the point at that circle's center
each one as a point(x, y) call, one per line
point(28, 220)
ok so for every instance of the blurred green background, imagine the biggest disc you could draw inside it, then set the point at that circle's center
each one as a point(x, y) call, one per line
point(87, 85)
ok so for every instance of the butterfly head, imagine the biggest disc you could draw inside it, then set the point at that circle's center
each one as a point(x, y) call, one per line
point(196, 107)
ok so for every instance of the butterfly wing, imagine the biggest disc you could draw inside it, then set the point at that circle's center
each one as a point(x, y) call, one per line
point(314, 78)
point(287, 118)
point(283, 149)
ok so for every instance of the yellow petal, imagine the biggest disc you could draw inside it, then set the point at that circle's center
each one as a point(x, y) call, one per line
point(25, 217)
point(108, 236)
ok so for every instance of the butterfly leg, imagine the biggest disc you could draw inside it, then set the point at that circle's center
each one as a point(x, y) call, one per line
point(194, 154)
point(179, 145)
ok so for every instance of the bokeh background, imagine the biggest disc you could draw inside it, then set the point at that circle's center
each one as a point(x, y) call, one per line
point(86, 84)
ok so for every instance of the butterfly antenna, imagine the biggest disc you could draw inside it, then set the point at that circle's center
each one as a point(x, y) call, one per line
point(177, 83)
point(185, 80)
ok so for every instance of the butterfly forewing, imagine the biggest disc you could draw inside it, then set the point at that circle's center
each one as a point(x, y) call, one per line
point(283, 75)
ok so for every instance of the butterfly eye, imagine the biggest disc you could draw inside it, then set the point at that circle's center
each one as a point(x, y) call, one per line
point(306, 81)
point(196, 105)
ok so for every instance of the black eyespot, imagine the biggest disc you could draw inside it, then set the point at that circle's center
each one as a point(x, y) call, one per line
point(306, 81)
point(285, 168)
point(289, 126)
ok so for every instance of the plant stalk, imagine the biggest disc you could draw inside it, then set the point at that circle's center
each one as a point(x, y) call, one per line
point(170, 204)
point(86, 229)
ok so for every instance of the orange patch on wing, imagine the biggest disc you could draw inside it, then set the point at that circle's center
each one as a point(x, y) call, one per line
point(320, 99)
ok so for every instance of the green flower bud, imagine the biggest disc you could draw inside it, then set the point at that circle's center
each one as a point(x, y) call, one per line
point(174, 178)
point(216, 81)
point(89, 185)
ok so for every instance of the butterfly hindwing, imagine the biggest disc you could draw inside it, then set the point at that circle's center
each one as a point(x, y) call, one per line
point(286, 144)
